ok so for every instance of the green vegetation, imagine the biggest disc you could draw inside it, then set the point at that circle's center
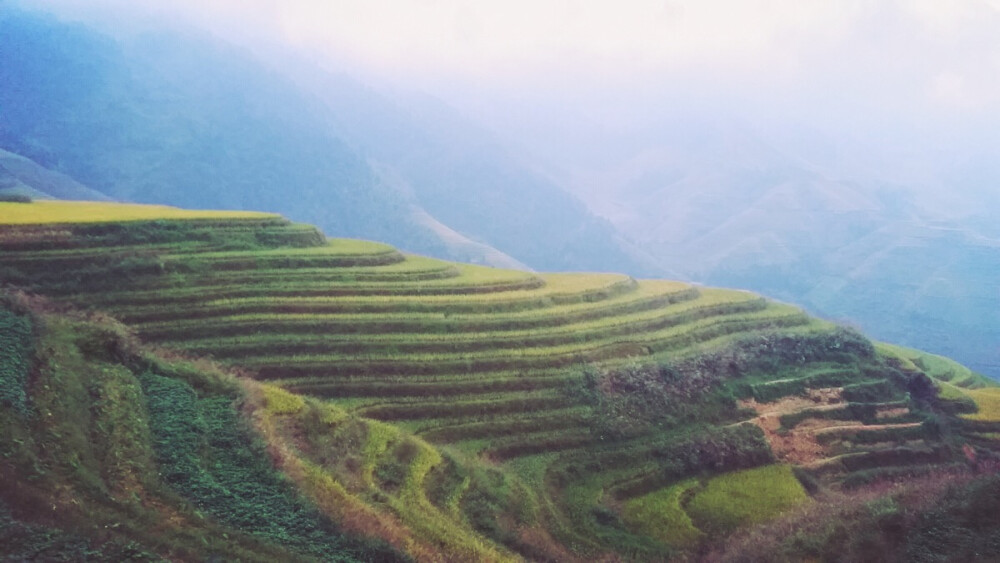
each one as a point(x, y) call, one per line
point(15, 198)
point(454, 412)
point(987, 404)
point(660, 515)
point(24, 541)
point(15, 360)
point(938, 516)
point(136, 463)
point(938, 367)
point(745, 497)
point(237, 487)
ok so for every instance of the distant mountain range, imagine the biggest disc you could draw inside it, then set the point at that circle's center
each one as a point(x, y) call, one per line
point(181, 118)
point(712, 199)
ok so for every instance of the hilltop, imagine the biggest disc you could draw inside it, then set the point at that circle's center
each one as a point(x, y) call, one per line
point(189, 384)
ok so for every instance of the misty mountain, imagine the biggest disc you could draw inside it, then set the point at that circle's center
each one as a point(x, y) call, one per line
point(183, 119)
point(469, 180)
point(713, 199)
point(183, 122)
point(23, 176)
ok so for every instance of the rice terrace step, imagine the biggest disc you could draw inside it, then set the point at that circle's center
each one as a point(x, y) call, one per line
point(423, 409)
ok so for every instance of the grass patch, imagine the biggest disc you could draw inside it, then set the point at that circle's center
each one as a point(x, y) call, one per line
point(937, 367)
point(279, 401)
point(745, 497)
point(660, 515)
point(987, 402)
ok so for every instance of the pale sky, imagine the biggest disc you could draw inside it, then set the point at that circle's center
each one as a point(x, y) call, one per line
point(910, 61)
point(955, 38)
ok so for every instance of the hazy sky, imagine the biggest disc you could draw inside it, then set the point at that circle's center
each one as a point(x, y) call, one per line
point(952, 46)
point(918, 65)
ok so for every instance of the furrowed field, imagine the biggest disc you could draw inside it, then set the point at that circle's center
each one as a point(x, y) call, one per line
point(386, 405)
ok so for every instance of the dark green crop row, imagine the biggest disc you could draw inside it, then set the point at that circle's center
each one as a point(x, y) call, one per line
point(383, 322)
point(524, 424)
point(197, 310)
point(376, 388)
point(891, 457)
point(466, 408)
point(540, 443)
point(198, 263)
point(301, 276)
point(16, 346)
point(340, 366)
point(83, 283)
point(274, 231)
point(274, 343)
point(173, 298)
point(713, 450)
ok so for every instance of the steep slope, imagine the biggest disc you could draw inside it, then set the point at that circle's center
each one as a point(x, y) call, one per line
point(477, 413)
point(22, 176)
point(952, 303)
point(147, 121)
point(111, 453)
point(178, 117)
point(464, 176)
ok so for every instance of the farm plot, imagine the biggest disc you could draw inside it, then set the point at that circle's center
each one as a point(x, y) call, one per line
point(594, 398)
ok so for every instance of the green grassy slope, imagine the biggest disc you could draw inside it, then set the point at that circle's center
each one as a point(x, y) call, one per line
point(465, 412)
point(111, 453)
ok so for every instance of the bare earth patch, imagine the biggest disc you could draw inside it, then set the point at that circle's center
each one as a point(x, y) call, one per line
point(890, 413)
point(799, 445)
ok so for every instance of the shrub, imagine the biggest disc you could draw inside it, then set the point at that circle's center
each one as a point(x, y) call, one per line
point(15, 198)
point(15, 360)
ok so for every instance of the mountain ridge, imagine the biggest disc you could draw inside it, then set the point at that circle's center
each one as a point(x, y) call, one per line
point(179, 117)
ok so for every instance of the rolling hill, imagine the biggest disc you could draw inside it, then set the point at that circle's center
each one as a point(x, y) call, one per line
point(381, 405)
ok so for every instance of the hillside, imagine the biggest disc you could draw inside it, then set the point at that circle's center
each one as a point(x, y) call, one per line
point(176, 116)
point(110, 453)
point(452, 412)
point(22, 176)
point(713, 198)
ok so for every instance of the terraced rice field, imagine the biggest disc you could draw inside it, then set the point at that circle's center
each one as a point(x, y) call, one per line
point(489, 365)
point(65, 212)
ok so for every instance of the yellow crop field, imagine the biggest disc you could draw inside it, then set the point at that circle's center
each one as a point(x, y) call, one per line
point(988, 402)
point(49, 212)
